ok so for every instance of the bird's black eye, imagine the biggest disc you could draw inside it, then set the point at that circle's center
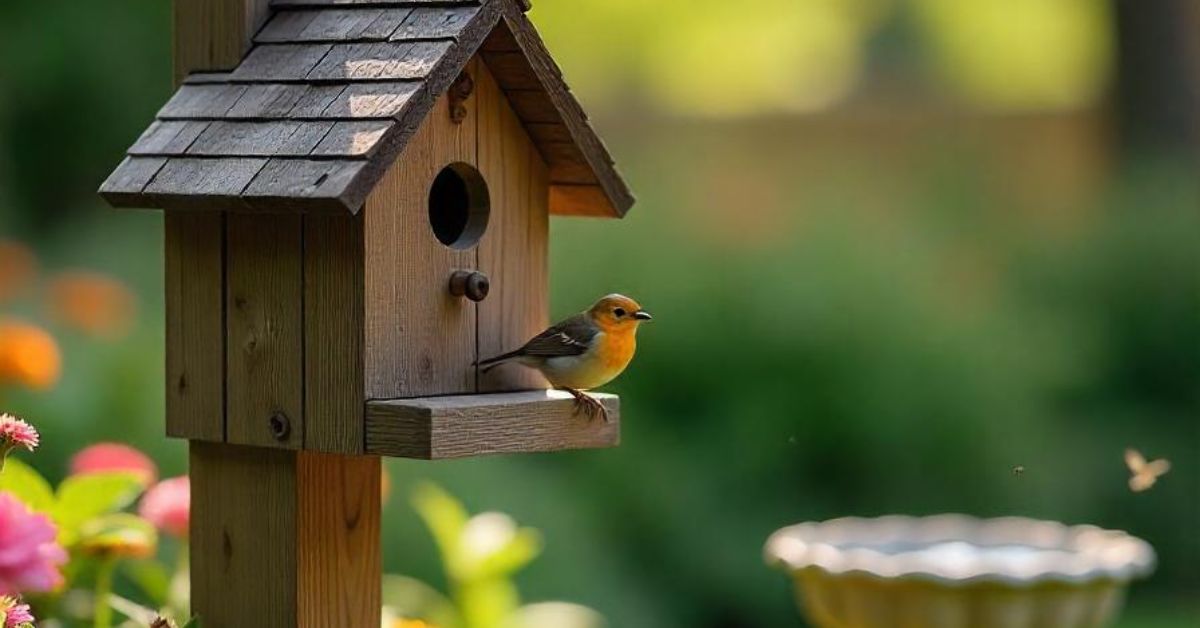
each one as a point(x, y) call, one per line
point(619, 312)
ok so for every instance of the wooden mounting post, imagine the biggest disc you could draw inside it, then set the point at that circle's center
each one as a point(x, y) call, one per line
point(279, 537)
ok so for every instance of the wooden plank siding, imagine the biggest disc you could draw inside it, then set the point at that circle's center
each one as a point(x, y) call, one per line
point(420, 340)
point(333, 334)
point(264, 343)
point(514, 251)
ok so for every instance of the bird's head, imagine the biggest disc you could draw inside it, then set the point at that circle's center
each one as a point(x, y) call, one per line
point(616, 312)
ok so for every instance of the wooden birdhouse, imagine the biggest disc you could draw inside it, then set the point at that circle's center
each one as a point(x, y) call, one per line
point(357, 196)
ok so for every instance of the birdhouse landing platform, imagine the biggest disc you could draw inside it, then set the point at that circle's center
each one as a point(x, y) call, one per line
point(459, 426)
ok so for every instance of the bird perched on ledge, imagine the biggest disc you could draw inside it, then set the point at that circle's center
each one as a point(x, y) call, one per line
point(585, 351)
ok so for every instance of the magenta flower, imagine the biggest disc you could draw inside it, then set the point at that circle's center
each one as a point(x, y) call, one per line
point(14, 614)
point(168, 505)
point(15, 433)
point(29, 555)
point(114, 457)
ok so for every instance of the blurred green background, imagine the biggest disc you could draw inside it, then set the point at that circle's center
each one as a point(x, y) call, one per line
point(895, 248)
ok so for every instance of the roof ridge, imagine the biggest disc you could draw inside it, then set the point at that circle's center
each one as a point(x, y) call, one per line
point(321, 107)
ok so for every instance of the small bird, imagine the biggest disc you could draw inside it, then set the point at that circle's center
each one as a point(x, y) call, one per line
point(1145, 474)
point(585, 351)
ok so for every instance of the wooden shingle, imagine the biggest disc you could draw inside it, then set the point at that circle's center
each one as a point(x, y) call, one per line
point(330, 93)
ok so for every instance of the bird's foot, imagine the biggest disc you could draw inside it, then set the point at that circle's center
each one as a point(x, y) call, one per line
point(588, 405)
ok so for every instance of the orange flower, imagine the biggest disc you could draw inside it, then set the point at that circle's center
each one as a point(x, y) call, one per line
point(93, 303)
point(17, 267)
point(411, 623)
point(28, 355)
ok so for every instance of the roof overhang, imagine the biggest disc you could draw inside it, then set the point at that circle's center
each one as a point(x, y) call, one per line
point(329, 96)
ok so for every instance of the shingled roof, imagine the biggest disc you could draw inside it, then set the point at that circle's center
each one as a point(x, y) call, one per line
point(330, 93)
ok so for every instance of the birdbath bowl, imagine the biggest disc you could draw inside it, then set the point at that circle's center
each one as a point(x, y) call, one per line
point(953, 571)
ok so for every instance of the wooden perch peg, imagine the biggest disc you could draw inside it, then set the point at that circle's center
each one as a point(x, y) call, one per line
point(471, 284)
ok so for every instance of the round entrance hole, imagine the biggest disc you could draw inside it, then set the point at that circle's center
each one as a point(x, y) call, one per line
point(459, 206)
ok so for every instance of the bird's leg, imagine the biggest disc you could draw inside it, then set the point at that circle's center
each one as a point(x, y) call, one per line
point(587, 404)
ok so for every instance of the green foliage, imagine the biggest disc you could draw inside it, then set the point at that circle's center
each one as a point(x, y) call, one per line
point(27, 485)
point(82, 499)
point(480, 555)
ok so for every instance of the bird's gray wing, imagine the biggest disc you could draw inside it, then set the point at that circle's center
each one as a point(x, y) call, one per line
point(572, 336)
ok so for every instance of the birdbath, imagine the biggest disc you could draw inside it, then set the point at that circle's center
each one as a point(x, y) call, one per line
point(957, 571)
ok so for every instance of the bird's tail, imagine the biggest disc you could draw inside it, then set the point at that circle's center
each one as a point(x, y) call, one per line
point(491, 363)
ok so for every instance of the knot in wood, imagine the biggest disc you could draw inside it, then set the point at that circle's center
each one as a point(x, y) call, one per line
point(458, 94)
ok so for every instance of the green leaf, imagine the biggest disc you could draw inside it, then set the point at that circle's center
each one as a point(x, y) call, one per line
point(557, 614)
point(118, 534)
point(85, 497)
point(27, 485)
point(138, 613)
point(412, 599)
point(444, 515)
point(519, 552)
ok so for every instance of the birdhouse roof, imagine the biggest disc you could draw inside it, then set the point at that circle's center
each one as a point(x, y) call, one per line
point(330, 93)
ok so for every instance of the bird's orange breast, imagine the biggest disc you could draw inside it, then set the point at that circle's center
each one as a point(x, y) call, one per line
point(616, 350)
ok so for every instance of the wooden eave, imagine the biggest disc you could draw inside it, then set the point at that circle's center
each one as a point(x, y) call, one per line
point(329, 95)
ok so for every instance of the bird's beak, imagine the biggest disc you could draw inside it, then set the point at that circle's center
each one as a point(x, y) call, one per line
point(643, 315)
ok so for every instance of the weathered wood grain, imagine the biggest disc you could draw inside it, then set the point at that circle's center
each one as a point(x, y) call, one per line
point(214, 34)
point(513, 252)
point(435, 23)
point(198, 178)
point(533, 106)
point(445, 72)
point(378, 61)
point(420, 340)
point(282, 4)
point(332, 25)
point(333, 334)
point(283, 183)
point(280, 62)
point(283, 138)
point(201, 101)
point(567, 164)
point(266, 100)
point(319, 62)
point(338, 541)
point(512, 70)
point(371, 100)
point(564, 102)
point(356, 138)
point(201, 77)
point(243, 532)
point(551, 132)
point(265, 333)
point(475, 425)
point(123, 188)
point(316, 99)
point(195, 329)
point(167, 138)
point(285, 26)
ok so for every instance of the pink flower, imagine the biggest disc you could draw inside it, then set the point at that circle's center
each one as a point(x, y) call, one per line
point(16, 433)
point(29, 554)
point(14, 613)
point(114, 457)
point(168, 505)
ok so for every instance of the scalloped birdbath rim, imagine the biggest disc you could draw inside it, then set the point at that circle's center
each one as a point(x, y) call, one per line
point(959, 550)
